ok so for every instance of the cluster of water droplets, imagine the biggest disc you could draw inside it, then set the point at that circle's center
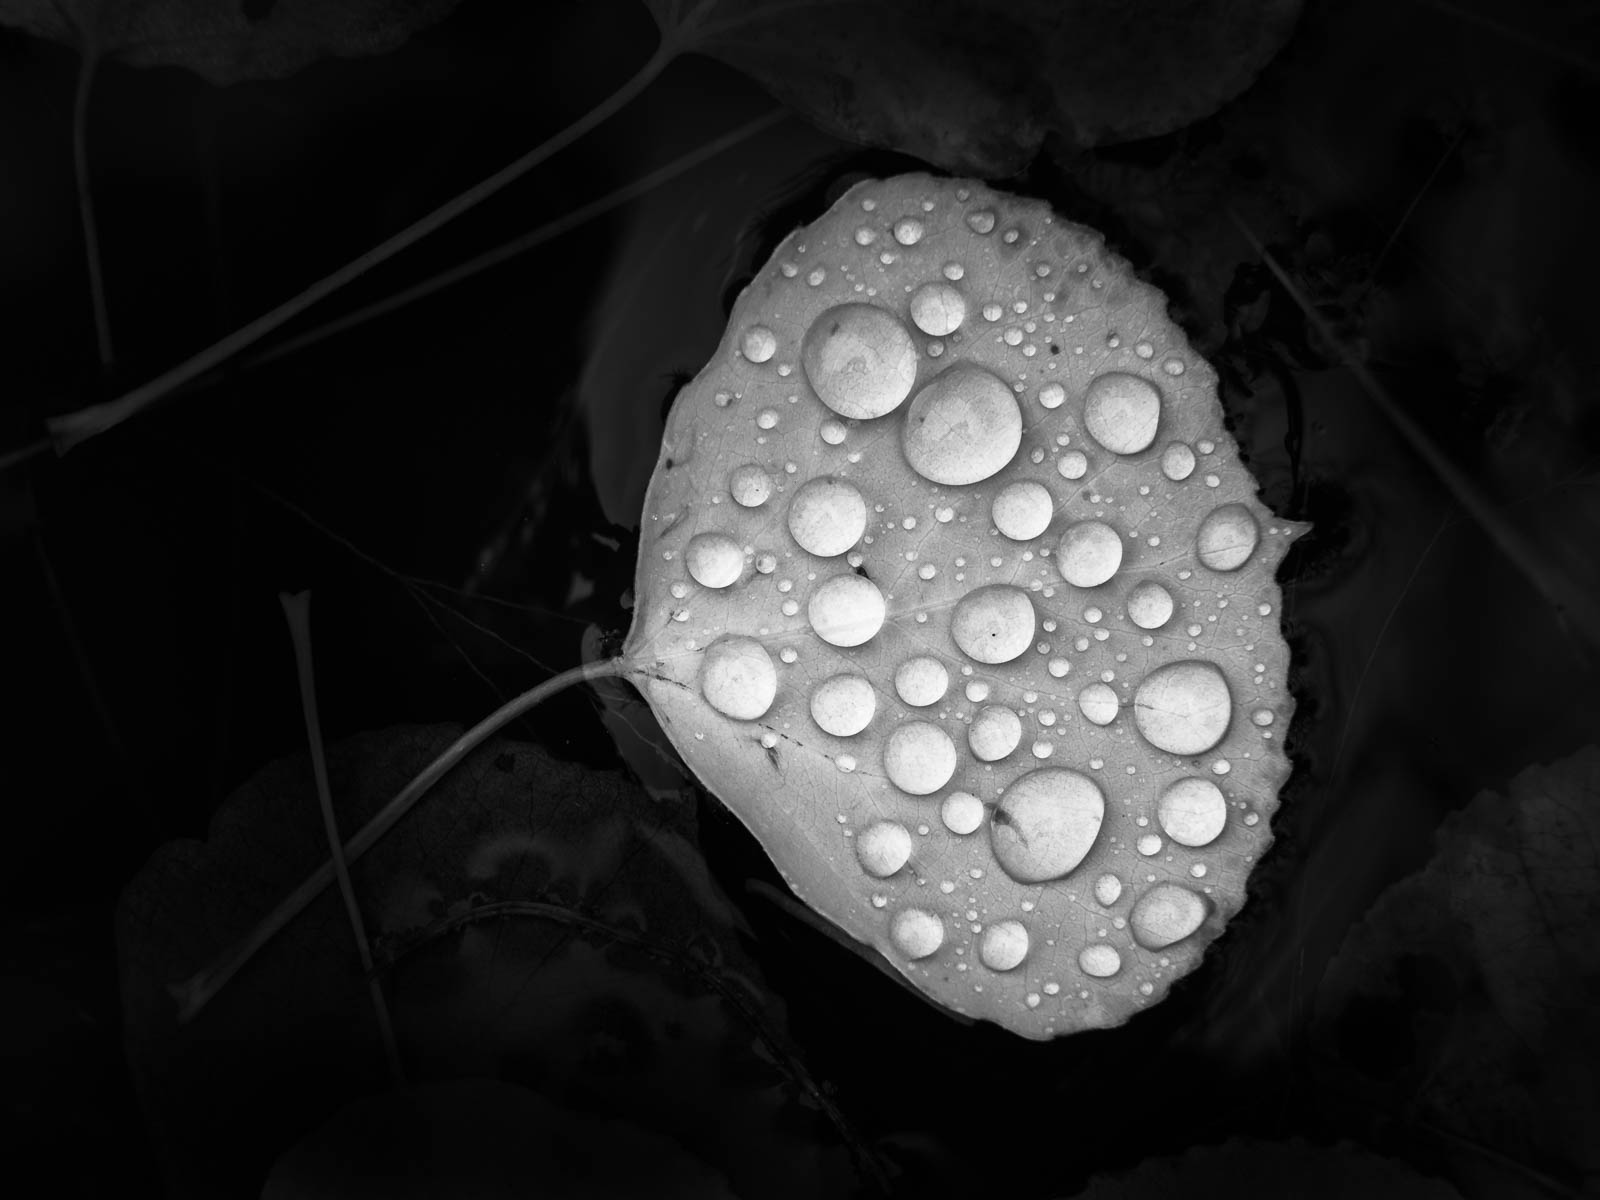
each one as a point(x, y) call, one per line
point(994, 633)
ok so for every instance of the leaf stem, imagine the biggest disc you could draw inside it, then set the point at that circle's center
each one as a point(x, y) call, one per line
point(69, 429)
point(91, 233)
point(195, 992)
point(297, 611)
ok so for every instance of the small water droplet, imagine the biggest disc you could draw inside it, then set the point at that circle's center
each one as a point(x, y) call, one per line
point(962, 812)
point(921, 681)
point(750, 485)
point(1107, 890)
point(714, 560)
point(1177, 462)
point(738, 678)
point(827, 516)
point(993, 624)
point(843, 705)
point(1150, 605)
point(1099, 960)
point(916, 933)
point(1022, 511)
point(1090, 553)
point(1227, 537)
point(847, 610)
point(1004, 945)
point(938, 309)
point(1192, 811)
point(883, 848)
point(908, 231)
point(995, 732)
point(758, 344)
point(1122, 411)
point(1098, 703)
point(1149, 844)
point(919, 758)
point(1166, 914)
point(981, 220)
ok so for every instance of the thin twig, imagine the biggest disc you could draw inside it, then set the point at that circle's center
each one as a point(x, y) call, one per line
point(297, 611)
point(195, 992)
point(91, 233)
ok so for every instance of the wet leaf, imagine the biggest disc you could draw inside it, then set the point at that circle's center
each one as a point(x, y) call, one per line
point(1482, 974)
point(985, 648)
point(959, 84)
point(225, 42)
point(1245, 1167)
point(535, 921)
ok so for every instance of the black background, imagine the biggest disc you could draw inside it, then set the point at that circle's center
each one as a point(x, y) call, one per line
point(1422, 171)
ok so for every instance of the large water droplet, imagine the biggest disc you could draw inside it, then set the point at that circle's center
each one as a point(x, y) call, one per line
point(1004, 945)
point(1149, 605)
point(993, 624)
point(916, 932)
point(847, 610)
point(883, 848)
point(1022, 511)
point(994, 733)
point(919, 758)
point(1166, 914)
point(738, 678)
point(1100, 960)
point(1046, 823)
point(827, 516)
point(750, 485)
point(961, 812)
point(962, 427)
point(1121, 412)
point(1098, 703)
point(938, 309)
point(1192, 811)
point(714, 560)
point(860, 359)
point(1090, 553)
point(1227, 537)
point(758, 344)
point(1183, 707)
point(843, 704)
point(921, 681)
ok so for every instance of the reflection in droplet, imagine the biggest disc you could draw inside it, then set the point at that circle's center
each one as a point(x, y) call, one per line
point(1227, 537)
point(1090, 553)
point(962, 812)
point(1098, 703)
point(847, 610)
point(993, 624)
point(827, 516)
point(1045, 823)
point(962, 427)
point(1149, 605)
point(1183, 707)
point(738, 678)
point(860, 360)
point(1004, 945)
point(921, 681)
point(843, 705)
point(994, 733)
point(916, 932)
point(883, 848)
point(1122, 411)
point(1099, 960)
point(919, 758)
point(1166, 914)
point(1193, 811)
point(1022, 510)
point(750, 485)
point(714, 560)
point(938, 309)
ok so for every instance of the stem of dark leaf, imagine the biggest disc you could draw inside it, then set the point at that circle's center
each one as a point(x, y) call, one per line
point(297, 610)
point(91, 233)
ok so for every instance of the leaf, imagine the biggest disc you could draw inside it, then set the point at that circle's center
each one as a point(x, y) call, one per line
point(1246, 1167)
point(225, 42)
point(925, 726)
point(961, 85)
point(1468, 996)
point(535, 921)
point(477, 1139)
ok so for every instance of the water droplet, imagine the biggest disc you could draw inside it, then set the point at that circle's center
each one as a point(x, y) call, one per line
point(1100, 960)
point(908, 231)
point(1149, 844)
point(758, 344)
point(1090, 553)
point(1122, 411)
point(921, 681)
point(737, 678)
point(1149, 605)
point(993, 624)
point(1046, 823)
point(1177, 462)
point(1192, 811)
point(827, 516)
point(1074, 464)
point(714, 560)
point(1262, 716)
point(1107, 890)
point(962, 427)
point(750, 485)
point(1166, 914)
point(938, 309)
point(1227, 537)
point(1098, 703)
point(1022, 511)
point(1004, 945)
point(833, 432)
point(962, 812)
point(847, 610)
point(843, 705)
point(845, 763)
point(994, 733)
point(1183, 708)
point(883, 848)
point(981, 220)
point(919, 758)
point(1052, 395)
point(860, 359)
point(916, 932)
